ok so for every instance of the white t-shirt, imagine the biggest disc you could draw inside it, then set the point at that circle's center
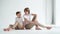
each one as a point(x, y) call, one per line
point(19, 20)
point(28, 17)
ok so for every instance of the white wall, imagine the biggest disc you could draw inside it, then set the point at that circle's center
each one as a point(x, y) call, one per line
point(9, 7)
point(48, 11)
point(57, 13)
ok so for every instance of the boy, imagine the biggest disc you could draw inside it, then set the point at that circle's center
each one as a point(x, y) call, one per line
point(18, 23)
point(30, 23)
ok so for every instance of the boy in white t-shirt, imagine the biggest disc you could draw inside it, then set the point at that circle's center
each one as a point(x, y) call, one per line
point(30, 23)
point(18, 23)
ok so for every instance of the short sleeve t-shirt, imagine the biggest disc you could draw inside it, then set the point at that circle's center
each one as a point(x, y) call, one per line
point(28, 17)
point(19, 20)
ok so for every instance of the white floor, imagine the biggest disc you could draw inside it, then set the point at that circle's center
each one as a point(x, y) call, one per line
point(54, 30)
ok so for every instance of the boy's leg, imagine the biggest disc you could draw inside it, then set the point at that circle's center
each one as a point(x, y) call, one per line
point(15, 25)
point(16, 28)
point(20, 26)
point(38, 24)
point(11, 26)
point(29, 26)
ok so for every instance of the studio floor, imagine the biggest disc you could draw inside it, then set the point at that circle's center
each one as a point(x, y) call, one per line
point(54, 30)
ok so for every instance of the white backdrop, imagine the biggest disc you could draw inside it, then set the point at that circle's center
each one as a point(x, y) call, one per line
point(57, 13)
point(9, 7)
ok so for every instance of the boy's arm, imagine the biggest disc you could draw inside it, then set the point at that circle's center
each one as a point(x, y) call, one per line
point(34, 17)
point(34, 14)
point(16, 23)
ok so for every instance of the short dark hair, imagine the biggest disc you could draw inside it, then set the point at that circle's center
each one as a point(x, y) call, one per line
point(17, 12)
point(26, 9)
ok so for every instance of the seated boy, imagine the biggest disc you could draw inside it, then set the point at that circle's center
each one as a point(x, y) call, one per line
point(28, 23)
point(18, 23)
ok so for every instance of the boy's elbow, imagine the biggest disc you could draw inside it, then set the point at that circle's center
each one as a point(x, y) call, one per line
point(34, 14)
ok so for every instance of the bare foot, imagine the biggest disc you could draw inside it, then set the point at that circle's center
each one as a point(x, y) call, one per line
point(48, 28)
point(7, 29)
point(38, 29)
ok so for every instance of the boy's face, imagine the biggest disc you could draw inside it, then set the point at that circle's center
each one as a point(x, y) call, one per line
point(26, 12)
point(19, 15)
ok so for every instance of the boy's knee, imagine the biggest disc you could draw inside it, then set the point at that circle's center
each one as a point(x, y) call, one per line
point(17, 23)
point(10, 26)
point(29, 26)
